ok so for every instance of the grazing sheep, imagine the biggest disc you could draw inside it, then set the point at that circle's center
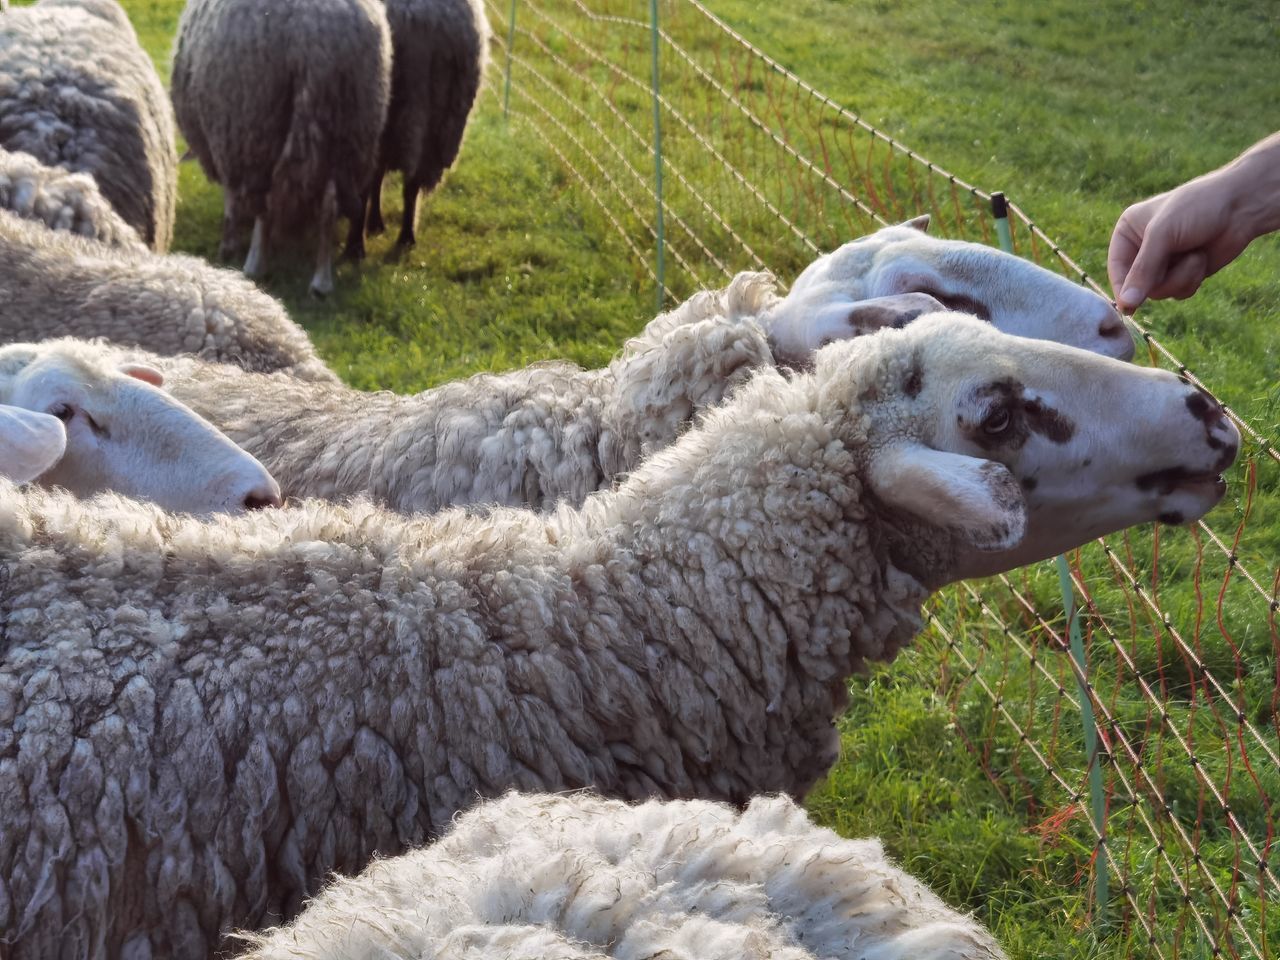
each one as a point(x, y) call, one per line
point(215, 716)
point(118, 431)
point(78, 91)
point(54, 284)
point(61, 201)
point(585, 878)
point(440, 51)
point(283, 103)
point(30, 443)
point(554, 433)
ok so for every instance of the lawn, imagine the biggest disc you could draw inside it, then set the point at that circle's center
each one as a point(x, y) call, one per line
point(1074, 111)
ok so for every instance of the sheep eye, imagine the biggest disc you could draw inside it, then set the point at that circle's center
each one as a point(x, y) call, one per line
point(95, 426)
point(64, 412)
point(997, 423)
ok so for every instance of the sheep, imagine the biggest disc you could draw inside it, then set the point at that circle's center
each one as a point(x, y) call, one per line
point(283, 103)
point(78, 91)
point(583, 877)
point(215, 716)
point(30, 443)
point(54, 284)
point(440, 49)
point(554, 433)
point(116, 430)
point(61, 201)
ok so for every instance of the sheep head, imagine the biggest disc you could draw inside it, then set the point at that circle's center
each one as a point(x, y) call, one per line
point(828, 300)
point(998, 451)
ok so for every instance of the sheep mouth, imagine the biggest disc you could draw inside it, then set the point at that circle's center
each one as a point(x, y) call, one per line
point(1175, 479)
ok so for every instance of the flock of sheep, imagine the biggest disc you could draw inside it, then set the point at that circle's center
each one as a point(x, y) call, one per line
point(258, 628)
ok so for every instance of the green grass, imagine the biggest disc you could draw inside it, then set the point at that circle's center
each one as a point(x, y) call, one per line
point(1074, 111)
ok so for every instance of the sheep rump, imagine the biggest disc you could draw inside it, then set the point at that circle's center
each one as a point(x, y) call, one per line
point(581, 878)
point(78, 91)
point(54, 284)
point(441, 49)
point(61, 200)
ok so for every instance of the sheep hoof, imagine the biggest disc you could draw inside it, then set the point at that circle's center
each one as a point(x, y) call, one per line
point(376, 228)
point(320, 289)
point(406, 241)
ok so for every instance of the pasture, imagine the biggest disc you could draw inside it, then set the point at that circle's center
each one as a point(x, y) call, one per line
point(1074, 113)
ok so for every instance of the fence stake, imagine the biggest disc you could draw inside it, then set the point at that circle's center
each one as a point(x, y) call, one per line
point(657, 153)
point(506, 83)
point(1097, 800)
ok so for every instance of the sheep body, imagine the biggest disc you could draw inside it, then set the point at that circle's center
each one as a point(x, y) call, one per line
point(61, 200)
point(585, 878)
point(283, 103)
point(78, 91)
point(441, 49)
point(54, 284)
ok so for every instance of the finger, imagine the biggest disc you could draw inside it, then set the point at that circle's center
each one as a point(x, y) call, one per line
point(1124, 247)
point(1184, 277)
point(1149, 267)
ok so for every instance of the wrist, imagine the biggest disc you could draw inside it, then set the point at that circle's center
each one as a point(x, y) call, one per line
point(1253, 180)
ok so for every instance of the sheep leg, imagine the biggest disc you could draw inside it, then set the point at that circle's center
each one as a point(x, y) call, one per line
point(354, 250)
point(375, 225)
point(231, 224)
point(322, 282)
point(255, 262)
point(409, 224)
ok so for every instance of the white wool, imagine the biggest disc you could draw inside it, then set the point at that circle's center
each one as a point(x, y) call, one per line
point(61, 200)
point(581, 877)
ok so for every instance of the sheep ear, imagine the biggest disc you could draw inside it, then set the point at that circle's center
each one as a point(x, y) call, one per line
point(30, 443)
point(144, 372)
point(920, 223)
point(897, 310)
point(978, 499)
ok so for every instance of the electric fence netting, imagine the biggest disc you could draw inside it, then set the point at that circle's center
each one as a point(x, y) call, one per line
point(1141, 732)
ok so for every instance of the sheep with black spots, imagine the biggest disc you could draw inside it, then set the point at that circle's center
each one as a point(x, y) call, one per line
point(199, 722)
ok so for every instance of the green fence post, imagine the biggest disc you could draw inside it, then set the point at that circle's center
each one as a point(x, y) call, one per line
point(1097, 799)
point(506, 83)
point(657, 153)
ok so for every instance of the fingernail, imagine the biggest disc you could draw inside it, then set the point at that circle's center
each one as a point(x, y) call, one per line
point(1131, 296)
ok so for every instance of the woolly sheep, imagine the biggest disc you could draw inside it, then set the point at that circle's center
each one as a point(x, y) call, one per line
point(78, 91)
point(581, 878)
point(30, 443)
point(283, 103)
point(54, 284)
point(61, 201)
point(440, 51)
point(227, 712)
point(120, 431)
point(554, 433)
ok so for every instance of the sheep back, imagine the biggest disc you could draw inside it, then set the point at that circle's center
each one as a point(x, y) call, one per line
point(54, 284)
point(78, 91)
point(441, 51)
point(275, 93)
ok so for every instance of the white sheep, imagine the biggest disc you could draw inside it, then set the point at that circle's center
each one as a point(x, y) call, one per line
point(117, 430)
point(283, 103)
point(78, 91)
point(440, 49)
point(581, 878)
point(30, 443)
point(552, 432)
point(54, 284)
point(61, 201)
point(215, 716)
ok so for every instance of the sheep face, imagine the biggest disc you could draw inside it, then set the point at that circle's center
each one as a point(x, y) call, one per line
point(1012, 294)
point(1022, 449)
point(122, 433)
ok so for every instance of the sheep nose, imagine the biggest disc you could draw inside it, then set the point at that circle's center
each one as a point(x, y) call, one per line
point(1113, 327)
point(1220, 433)
point(263, 496)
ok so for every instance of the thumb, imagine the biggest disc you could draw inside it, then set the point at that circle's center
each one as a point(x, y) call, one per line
point(1149, 268)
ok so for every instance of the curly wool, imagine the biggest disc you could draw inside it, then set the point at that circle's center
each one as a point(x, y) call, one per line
point(584, 878)
point(61, 201)
point(78, 91)
point(548, 433)
point(215, 717)
point(54, 284)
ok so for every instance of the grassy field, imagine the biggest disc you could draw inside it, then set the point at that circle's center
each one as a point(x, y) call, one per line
point(1075, 111)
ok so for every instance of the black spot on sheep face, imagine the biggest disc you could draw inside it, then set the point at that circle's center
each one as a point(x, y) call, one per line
point(1001, 416)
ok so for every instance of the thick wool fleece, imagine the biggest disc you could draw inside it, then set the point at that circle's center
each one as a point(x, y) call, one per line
point(278, 98)
point(54, 284)
point(61, 201)
point(78, 91)
point(548, 433)
point(199, 722)
point(590, 879)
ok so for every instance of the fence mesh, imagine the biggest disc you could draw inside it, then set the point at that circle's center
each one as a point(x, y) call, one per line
point(1179, 627)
